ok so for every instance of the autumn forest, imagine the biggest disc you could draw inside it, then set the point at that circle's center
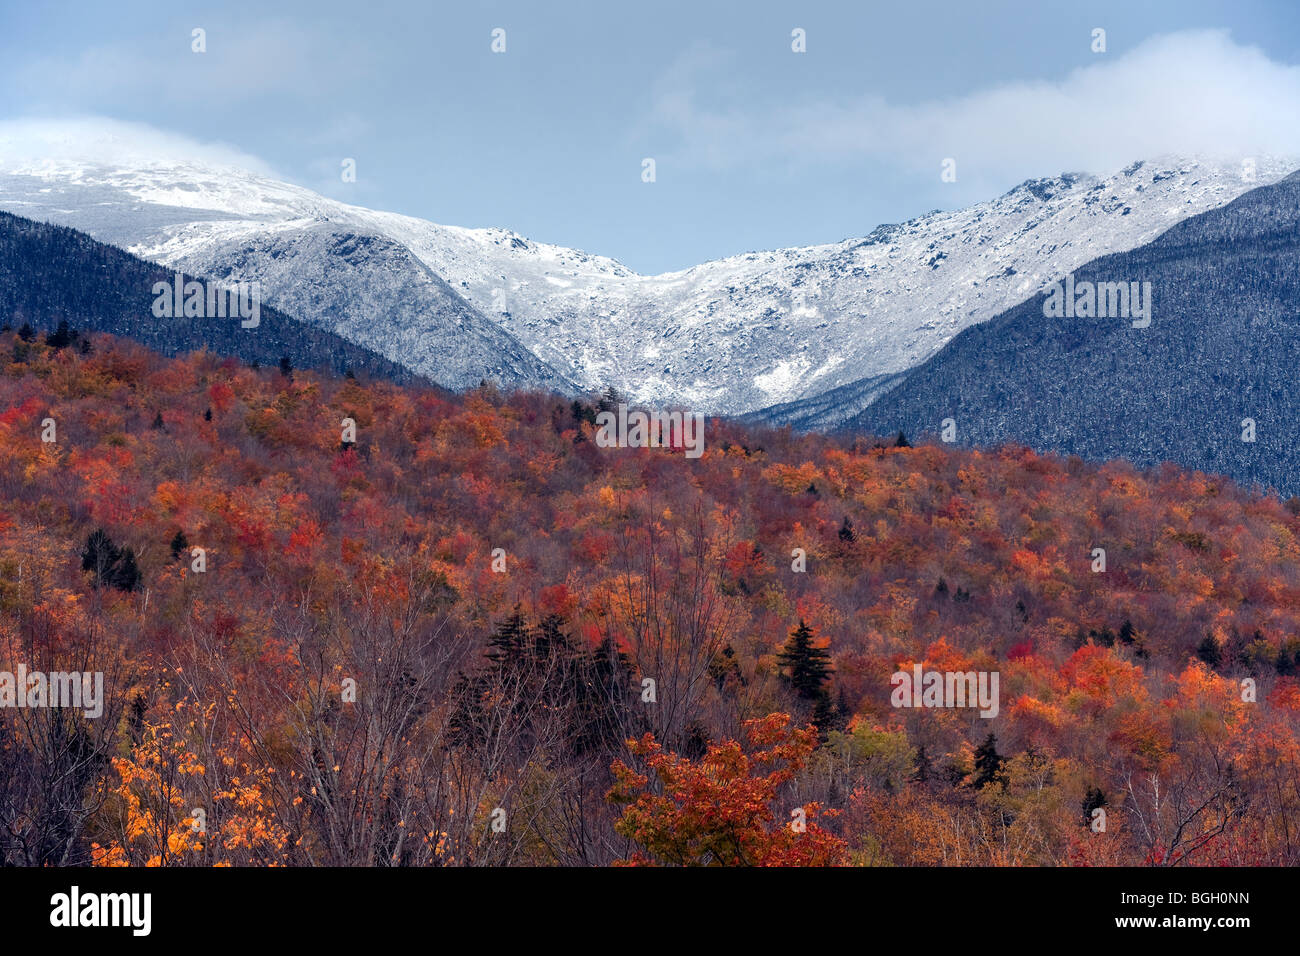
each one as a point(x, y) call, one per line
point(350, 622)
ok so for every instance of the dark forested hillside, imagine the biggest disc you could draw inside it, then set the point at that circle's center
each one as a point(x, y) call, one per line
point(1222, 348)
point(51, 274)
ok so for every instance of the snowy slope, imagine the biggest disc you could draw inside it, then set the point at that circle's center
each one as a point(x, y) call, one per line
point(355, 282)
point(729, 336)
point(1222, 346)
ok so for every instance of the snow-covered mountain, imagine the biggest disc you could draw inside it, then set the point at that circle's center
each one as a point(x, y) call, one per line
point(728, 336)
point(1209, 384)
point(344, 278)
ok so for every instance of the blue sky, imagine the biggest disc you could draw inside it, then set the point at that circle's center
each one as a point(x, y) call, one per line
point(755, 146)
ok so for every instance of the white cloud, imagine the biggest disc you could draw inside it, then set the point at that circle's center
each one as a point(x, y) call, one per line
point(27, 143)
point(1191, 93)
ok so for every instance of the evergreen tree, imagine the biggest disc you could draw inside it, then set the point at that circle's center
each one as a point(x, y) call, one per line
point(1126, 633)
point(179, 545)
point(509, 641)
point(549, 639)
point(582, 412)
point(534, 674)
point(207, 416)
point(99, 555)
point(901, 441)
point(923, 770)
point(810, 666)
point(843, 711)
point(111, 565)
point(696, 744)
point(825, 716)
point(126, 576)
point(157, 422)
point(1208, 650)
point(610, 400)
point(61, 337)
point(1093, 799)
point(1105, 637)
point(25, 332)
point(846, 531)
point(988, 762)
point(286, 367)
point(603, 713)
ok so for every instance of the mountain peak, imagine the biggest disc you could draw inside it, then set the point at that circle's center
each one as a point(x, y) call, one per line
point(726, 336)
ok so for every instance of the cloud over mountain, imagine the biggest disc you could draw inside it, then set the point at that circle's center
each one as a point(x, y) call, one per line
point(1194, 93)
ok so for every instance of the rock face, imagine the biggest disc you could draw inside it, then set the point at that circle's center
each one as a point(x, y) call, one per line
point(370, 289)
point(728, 337)
point(1210, 384)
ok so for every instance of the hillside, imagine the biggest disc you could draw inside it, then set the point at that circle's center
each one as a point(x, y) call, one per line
point(1221, 349)
point(355, 677)
point(51, 274)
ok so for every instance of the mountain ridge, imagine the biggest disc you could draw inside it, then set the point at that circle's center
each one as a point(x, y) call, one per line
point(51, 274)
point(1208, 385)
point(730, 336)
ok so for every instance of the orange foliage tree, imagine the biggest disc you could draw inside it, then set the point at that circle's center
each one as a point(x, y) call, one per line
point(718, 811)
